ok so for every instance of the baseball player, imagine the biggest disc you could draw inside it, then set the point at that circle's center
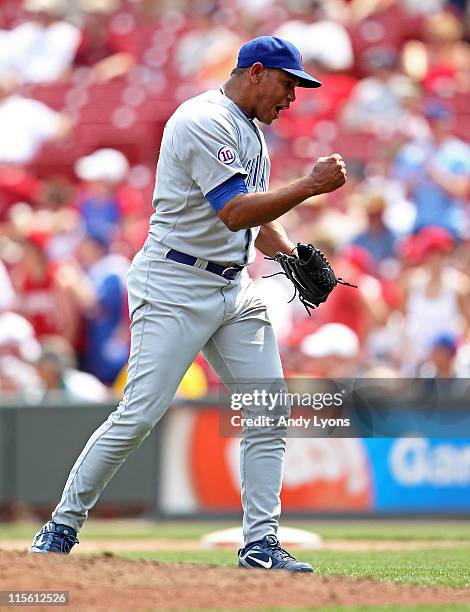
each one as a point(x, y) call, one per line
point(189, 288)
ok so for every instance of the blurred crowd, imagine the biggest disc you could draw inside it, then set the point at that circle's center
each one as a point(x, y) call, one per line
point(85, 89)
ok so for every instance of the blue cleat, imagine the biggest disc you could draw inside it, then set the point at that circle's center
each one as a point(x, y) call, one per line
point(53, 538)
point(268, 554)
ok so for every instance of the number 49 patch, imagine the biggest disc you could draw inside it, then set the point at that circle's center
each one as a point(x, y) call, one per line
point(226, 155)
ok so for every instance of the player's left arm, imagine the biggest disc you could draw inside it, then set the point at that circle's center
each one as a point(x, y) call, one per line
point(273, 238)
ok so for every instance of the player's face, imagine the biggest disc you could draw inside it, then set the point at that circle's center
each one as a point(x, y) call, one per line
point(276, 92)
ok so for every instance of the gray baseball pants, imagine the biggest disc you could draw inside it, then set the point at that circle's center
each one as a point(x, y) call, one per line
point(176, 311)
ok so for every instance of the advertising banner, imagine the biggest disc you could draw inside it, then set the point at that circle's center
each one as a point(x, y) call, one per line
point(200, 471)
point(420, 474)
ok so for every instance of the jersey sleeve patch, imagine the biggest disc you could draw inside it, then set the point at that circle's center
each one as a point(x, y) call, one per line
point(226, 155)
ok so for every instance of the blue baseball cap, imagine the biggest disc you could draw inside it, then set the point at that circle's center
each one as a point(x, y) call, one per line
point(275, 52)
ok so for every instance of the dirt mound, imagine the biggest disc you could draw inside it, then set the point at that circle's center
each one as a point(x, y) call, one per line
point(111, 583)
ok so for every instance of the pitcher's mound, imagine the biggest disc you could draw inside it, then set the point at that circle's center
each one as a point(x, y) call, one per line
point(110, 583)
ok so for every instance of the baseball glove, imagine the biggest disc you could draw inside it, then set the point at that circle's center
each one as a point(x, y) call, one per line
point(310, 273)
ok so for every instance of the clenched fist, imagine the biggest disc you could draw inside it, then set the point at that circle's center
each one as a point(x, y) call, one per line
point(328, 174)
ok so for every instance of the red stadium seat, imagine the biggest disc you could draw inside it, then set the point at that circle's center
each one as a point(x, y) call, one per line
point(51, 94)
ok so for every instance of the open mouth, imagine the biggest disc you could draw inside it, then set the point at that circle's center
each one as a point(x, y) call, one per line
point(278, 109)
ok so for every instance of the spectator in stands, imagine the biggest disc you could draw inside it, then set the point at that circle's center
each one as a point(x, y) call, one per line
point(25, 125)
point(411, 125)
point(58, 229)
point(436, 173)
point(376, 102)
point(135, 202)
point(320, 39)
point(16, 185)
point(106, 334)
point(52, 216)
point(442, 61)
point(385, 345)
point(400, 212)
point(436, 296)
point(358, 10)
point(253, 8)
point(7, 292)
point(56, 367)
point(377, 239)
point(41, 296)
point(319, 218)
point(331, 352)
point(42, 49)
point(18, 349)
point(102, 172)
point(362, 309)
point(56, 194)
point(105, 54)
point(206, 52)
point(440, 362)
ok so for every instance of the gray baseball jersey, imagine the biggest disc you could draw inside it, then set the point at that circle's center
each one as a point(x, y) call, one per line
point(177, 310)
point(207, 141)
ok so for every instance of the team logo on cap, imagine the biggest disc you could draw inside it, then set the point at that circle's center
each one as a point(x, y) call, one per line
point(226, 155)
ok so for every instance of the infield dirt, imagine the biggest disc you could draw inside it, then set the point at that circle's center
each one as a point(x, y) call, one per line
point(110, 583)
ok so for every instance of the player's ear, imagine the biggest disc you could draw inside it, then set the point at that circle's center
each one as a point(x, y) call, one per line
point(256, 72)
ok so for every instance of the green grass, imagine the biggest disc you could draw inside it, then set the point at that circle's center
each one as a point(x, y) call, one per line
point(393, 530)
point(331, 530)
point(448, 567)
point(424, 567)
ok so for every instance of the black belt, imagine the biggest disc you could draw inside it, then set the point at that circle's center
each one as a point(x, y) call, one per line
point(228, 272)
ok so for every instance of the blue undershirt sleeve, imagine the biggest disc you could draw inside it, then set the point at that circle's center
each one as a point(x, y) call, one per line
point(219, 196)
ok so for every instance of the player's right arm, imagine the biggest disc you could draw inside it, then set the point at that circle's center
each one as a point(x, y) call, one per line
point(253, 209)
